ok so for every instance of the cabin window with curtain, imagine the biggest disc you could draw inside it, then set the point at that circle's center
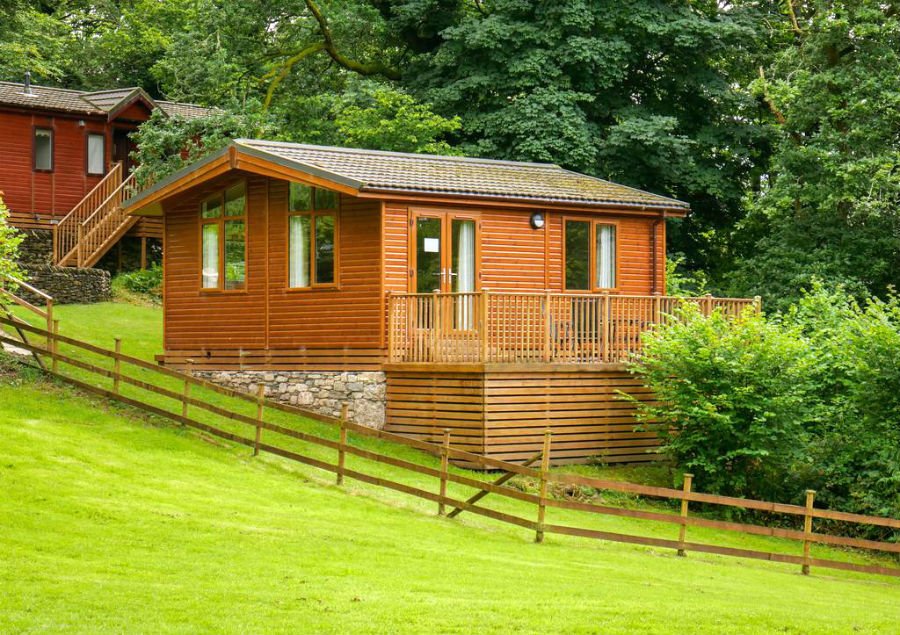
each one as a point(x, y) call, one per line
point(223, 240)
point(312, 237)
point(96, 153)
point(590, 255)
point(43, 149)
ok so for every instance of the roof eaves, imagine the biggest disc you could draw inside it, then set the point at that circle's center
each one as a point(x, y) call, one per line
point(143, 195)
point(675, 203)
point(292, 164)
point(677, 206)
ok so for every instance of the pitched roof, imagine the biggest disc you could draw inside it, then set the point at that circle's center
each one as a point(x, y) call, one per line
point(101, 102)
point(378, 171)
point(378, 174)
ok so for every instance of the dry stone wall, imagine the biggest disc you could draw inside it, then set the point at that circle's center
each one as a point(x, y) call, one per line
point(325, 392)
point(67, 285)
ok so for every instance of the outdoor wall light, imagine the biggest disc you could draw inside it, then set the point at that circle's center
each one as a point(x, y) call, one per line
point(537, 220)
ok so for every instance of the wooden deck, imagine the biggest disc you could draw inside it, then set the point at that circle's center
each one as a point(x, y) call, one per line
point(498, 369)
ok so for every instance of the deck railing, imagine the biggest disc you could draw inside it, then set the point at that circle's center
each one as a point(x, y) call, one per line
point(522, 328)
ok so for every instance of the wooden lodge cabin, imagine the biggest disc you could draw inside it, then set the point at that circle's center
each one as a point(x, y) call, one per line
point(65, 165)
point(493, 298)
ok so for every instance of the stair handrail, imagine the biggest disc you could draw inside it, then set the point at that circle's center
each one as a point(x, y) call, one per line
point(65, 231)
point(95, 231)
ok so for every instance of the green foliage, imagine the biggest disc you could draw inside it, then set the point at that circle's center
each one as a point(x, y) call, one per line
point(731, 400)
point(683, 283)
point(767, 407)
point(145, 281)
point(828, 206)
point(166, 144)
point(10, 239)
point(382, 118)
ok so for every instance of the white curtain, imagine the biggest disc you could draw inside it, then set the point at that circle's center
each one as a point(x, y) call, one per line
point(299, 251)
point(210, 256)
point(606, 256)
point(95, 154)
point(465, 273)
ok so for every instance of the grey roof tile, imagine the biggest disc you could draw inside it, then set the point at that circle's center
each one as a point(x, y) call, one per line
point(459, 176)
point(82, 102)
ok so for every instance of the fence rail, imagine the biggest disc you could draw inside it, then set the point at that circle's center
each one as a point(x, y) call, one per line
point(490, 327)
point(266, 436)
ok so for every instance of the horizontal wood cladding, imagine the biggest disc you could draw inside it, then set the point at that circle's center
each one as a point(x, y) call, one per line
point(516, 257)
point(268, 324)
point(504, 414)
point(34, 197)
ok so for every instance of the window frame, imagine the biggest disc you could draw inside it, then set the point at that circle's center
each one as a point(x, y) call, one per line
point(87, 153)
point(592, 254)
point(312, 214)
point(34, 131)
point(220, 222)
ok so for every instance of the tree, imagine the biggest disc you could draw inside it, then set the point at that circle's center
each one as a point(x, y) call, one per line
point(828, 205)
point(10, 239)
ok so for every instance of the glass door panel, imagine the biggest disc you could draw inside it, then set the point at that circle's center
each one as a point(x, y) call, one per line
point(429, 241)
point(462, 271)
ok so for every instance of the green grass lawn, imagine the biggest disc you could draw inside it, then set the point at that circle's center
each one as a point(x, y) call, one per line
point(115, 522)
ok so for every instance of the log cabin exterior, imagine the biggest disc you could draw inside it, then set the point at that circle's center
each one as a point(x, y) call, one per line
point(490, 298)
point(65, 164)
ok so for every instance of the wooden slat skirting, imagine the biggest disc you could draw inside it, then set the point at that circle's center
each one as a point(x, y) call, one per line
point(503, 411)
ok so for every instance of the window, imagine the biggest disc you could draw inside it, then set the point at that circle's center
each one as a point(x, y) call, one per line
point(590, 253)
point(43, 149)
point(96, 153)
point(312, 236)
point(223, 231)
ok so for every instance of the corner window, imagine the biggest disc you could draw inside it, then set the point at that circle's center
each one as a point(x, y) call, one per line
point(312, 236)
point(43, 149)
point(590, 255)
point(223, 231)
point(96, 153)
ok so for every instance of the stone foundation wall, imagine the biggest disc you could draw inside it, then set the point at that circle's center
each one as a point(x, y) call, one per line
point(67, 285)
point(321, 391)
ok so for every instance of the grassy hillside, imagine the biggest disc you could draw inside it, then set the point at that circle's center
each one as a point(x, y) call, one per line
point(113, 523)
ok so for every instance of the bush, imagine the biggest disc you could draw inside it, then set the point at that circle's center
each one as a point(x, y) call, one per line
point(730, 400)
point(146, 281)
point(766, 408)
point(10, 239)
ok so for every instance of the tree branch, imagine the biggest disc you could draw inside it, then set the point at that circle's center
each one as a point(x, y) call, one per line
point(284, 70)
point(795, 26)
point(372, 68)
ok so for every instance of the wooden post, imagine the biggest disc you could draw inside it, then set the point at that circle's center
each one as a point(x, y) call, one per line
point(342, 444)
point(55, 259)
point(78, 252)
point(757, 304)
point(485, 327)
point(54, 346)
point(143, 253)
point(390, 328)
point(688, 478)
point(50, 314)
point(604, 345)
point(435, 325)
point(445, 458)
point(807, 528)
point(260, 405)
point(547, 326)
point(185, 395)
point(542, 504)
point(117, 365)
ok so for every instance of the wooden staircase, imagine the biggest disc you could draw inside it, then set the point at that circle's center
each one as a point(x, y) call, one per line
point(93, 226)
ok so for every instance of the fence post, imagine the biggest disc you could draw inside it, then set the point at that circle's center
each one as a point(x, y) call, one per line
point(435, 325)
point(342, 444)
point(542, 501)
point(54, 346)
point(186, 392)
point(807, 528)
point(260, 405)
point(392, 354)
point(117, 365)
point(757, 304)
point(688, 478)
point(50, 312)
point(78, 245)
point(445, 459)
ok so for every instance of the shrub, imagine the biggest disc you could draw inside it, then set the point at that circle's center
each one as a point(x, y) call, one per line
point(146, 281)
point(10, 239)
point(731, 398)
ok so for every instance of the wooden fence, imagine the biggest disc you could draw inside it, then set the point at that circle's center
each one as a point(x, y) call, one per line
point(266, 436)
point(521, 328)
